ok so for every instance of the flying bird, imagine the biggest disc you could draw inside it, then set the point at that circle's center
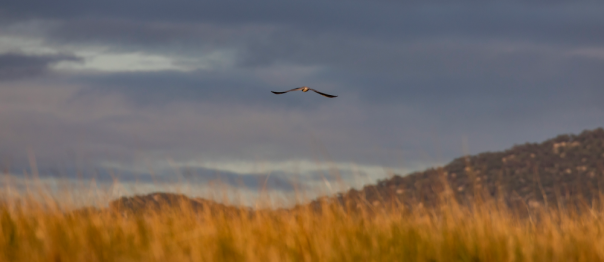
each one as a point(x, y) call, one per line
point(304, 89)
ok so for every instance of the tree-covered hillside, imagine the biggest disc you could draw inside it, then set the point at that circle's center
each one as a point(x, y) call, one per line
point(568, 167)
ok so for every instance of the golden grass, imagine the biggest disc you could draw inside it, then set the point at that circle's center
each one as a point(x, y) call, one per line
point(42, 230)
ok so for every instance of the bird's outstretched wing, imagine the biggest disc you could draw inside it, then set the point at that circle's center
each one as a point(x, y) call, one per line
point(323, 94)
point(295, 89)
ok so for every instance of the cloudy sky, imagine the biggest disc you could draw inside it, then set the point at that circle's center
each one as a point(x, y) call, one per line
point(182, 88)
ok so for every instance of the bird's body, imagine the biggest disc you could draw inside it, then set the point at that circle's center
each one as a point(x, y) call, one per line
point(304, 89)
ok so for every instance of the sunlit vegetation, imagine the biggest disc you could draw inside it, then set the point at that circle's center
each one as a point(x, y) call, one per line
point(182, 229)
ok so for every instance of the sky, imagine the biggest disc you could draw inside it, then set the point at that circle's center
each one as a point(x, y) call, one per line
point(180, 90)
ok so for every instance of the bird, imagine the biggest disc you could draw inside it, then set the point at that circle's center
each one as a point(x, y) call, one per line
point(304, 89)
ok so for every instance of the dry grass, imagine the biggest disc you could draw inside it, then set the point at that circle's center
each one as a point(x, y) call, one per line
point(41, 229)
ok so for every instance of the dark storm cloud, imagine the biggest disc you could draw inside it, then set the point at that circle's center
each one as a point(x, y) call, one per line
point(383, 50)
point(17, 65)
point(357, 16)
point(406, 72)
point(179, 21)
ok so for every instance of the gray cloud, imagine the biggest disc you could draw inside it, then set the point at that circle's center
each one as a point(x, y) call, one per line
point(191, 176)
point(416, 50)
point(562, 23)
point(17, 65)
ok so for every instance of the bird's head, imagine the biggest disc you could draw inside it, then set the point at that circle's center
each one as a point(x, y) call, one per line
point(305, 89)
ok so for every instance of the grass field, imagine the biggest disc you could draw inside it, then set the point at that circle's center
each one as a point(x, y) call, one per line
point(46, 229)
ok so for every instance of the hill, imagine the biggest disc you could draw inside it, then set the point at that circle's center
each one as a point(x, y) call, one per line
point(554, 172)
point(155, 202)
point(558, 171)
